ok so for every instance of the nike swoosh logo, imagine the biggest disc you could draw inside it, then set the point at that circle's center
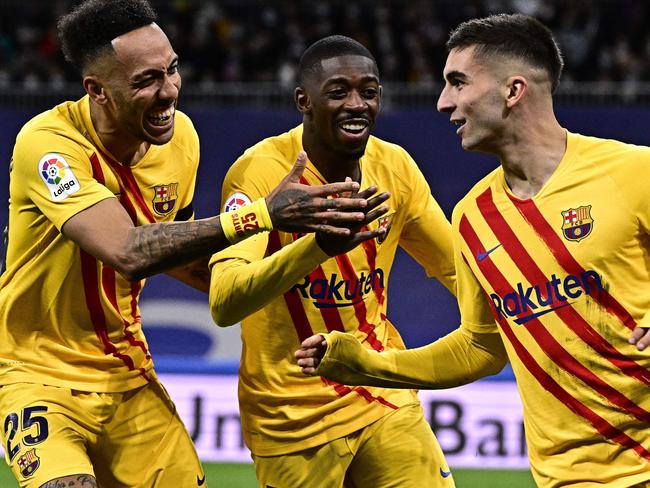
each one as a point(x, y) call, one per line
point(445, 474)
point(480, 256)
point(528, 318)
point(200, 481)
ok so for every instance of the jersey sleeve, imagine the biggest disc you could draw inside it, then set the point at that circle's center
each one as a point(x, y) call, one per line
point(245, 182)
point(239, 288)
point(456, 359)
point(426, 235)
point(243, 279)
point(475, 313)
point(55, 174)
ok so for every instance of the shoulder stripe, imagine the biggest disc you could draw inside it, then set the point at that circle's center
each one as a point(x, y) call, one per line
point(98, 173)
point(109, 286)
point(331, 316)
point(371, 254)
point(490, 271)
point(125, 201)
point(93, 302)
point(127, 179)
point(348, 272)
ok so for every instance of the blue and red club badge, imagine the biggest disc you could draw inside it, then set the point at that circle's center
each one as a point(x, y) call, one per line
point(164, 198)
point(577, 223)
point(385, 223)
point(28, 463)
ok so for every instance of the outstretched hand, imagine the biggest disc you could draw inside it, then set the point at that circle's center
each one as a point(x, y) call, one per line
point(311, 353)
point(295, 207)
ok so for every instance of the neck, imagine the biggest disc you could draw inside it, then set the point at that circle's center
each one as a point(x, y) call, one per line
point(333, 167)
point(125, 149)
point(532, 155)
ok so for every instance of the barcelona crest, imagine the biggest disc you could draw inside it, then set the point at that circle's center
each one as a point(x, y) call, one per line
point(384, 222)
point(28, 463)
point(164, 198)
point(577, 223)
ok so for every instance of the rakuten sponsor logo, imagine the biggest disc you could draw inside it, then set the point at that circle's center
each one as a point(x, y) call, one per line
point(544, 298)
point(339, 292)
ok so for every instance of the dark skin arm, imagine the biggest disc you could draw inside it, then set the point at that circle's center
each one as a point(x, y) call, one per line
point(106, 231)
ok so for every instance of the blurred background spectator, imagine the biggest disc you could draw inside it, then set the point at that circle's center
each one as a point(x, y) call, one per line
point(234, 41)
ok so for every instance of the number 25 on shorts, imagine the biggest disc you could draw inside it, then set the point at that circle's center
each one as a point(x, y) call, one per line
point(29, 422)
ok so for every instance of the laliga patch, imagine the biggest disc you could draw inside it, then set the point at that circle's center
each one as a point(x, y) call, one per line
point(58, 176)
point(28, 463)
point(577, 223)
point(236, 201)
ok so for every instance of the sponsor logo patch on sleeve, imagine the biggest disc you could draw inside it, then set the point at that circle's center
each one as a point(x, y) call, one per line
point(58, 176)
point(236, 201)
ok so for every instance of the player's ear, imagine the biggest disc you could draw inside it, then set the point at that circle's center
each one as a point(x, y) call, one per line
point(516, 87)
point(95, 89)
point(303, 102)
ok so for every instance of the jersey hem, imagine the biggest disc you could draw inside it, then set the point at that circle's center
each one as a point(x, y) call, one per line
point(281, 448)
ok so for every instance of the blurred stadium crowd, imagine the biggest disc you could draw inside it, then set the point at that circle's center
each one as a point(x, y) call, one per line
point(261, 40)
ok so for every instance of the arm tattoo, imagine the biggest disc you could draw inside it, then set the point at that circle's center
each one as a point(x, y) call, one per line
point(158, 247)
point(75, 481)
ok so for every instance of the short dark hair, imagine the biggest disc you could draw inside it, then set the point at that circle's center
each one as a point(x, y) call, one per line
point(327, 48)
point(91, 26)
point(512, 35)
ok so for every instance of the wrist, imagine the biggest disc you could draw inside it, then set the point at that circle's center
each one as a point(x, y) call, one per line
point(246, 221)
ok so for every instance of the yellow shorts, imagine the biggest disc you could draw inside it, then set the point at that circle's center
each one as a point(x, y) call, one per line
point(129, 439)
point(397, 450)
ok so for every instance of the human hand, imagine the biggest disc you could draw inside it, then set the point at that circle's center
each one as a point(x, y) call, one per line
point(311, 353)
point(299, 208)
point(640, 337)
point(334, 245)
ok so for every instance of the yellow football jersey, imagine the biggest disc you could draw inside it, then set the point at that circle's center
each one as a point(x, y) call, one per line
point(566, 275)
point(65, 318)
point(283, 410)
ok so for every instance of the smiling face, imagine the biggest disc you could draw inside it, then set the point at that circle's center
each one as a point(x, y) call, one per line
point(473, 96)
point(142, 85)
point(340, 101)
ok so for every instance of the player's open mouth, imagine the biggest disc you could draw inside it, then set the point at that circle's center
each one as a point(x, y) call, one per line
point(161, 119)
point(460, 123)
point(354, 128)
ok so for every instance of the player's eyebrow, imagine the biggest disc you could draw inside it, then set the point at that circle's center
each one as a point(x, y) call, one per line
point(455, 75)
point(345, 80)
point(154, 71)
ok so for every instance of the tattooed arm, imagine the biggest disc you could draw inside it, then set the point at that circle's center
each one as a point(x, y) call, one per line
point(106, 231)
point(74, 481)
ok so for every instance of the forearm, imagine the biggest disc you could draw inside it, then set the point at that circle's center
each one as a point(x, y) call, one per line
point(456, 359)
point(154, 248)
point(240, 288)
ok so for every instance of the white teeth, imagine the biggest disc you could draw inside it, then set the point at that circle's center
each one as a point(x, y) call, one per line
point(161, 118)
point(353, 126)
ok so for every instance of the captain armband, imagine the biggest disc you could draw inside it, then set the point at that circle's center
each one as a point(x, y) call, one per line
point(246, 221)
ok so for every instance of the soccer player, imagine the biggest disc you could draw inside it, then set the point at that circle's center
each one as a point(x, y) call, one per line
point(551, 253)
point(98, 189)
point(304, 431)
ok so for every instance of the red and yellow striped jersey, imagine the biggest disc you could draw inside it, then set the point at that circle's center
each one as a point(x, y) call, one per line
point(65, 318)
point(282, 409)
point(566, 275)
